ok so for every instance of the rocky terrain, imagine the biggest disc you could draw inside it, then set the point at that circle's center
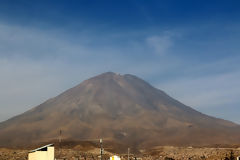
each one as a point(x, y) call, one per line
point(190, 153)
point(158, 153)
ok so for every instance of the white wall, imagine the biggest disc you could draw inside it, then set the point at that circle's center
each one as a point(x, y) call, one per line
point(42, 155)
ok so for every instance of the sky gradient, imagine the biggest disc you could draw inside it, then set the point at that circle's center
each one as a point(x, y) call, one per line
point(189, 49)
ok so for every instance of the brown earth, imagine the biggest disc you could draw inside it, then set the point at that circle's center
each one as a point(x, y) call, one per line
point(160, 153)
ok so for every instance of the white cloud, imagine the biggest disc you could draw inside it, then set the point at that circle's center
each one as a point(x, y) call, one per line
point(160, 44)
point(34, 67)
point(37, 64)
point(26, 83)
point(206, 91)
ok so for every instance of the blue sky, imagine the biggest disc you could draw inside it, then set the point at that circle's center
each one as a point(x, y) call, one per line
point(189, 49)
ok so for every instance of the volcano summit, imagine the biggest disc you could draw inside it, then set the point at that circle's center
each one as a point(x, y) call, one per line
point(122, 109)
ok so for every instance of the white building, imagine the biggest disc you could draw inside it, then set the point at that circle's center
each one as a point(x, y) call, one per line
point(42, 153)
point(115, 158)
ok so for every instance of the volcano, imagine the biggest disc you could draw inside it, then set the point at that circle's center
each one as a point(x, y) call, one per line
point(121, 109)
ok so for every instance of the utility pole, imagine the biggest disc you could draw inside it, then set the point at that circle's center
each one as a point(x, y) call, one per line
point(128, 152)
point(101, 149)
point(60, 136)
point(59, 141)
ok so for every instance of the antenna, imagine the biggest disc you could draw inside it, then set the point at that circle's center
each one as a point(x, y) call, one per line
point(59, 141)
point(101, 149)
point(60, 136)
point(128, 152)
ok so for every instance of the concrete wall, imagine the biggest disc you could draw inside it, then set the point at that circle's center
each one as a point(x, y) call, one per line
point(42, 155)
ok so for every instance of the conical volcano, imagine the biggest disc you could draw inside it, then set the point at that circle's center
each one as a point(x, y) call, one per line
point(123, 109)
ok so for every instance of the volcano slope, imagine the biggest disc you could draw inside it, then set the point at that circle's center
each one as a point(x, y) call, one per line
point(122, 109)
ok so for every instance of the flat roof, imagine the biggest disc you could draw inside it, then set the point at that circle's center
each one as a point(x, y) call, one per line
point(48, 145)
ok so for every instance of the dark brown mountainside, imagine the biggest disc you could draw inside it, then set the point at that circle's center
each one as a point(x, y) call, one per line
point(118, 108)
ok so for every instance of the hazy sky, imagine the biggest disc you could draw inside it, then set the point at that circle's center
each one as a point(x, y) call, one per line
point(190, 49)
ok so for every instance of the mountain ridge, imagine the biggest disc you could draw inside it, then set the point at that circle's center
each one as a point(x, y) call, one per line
point(121, 108)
